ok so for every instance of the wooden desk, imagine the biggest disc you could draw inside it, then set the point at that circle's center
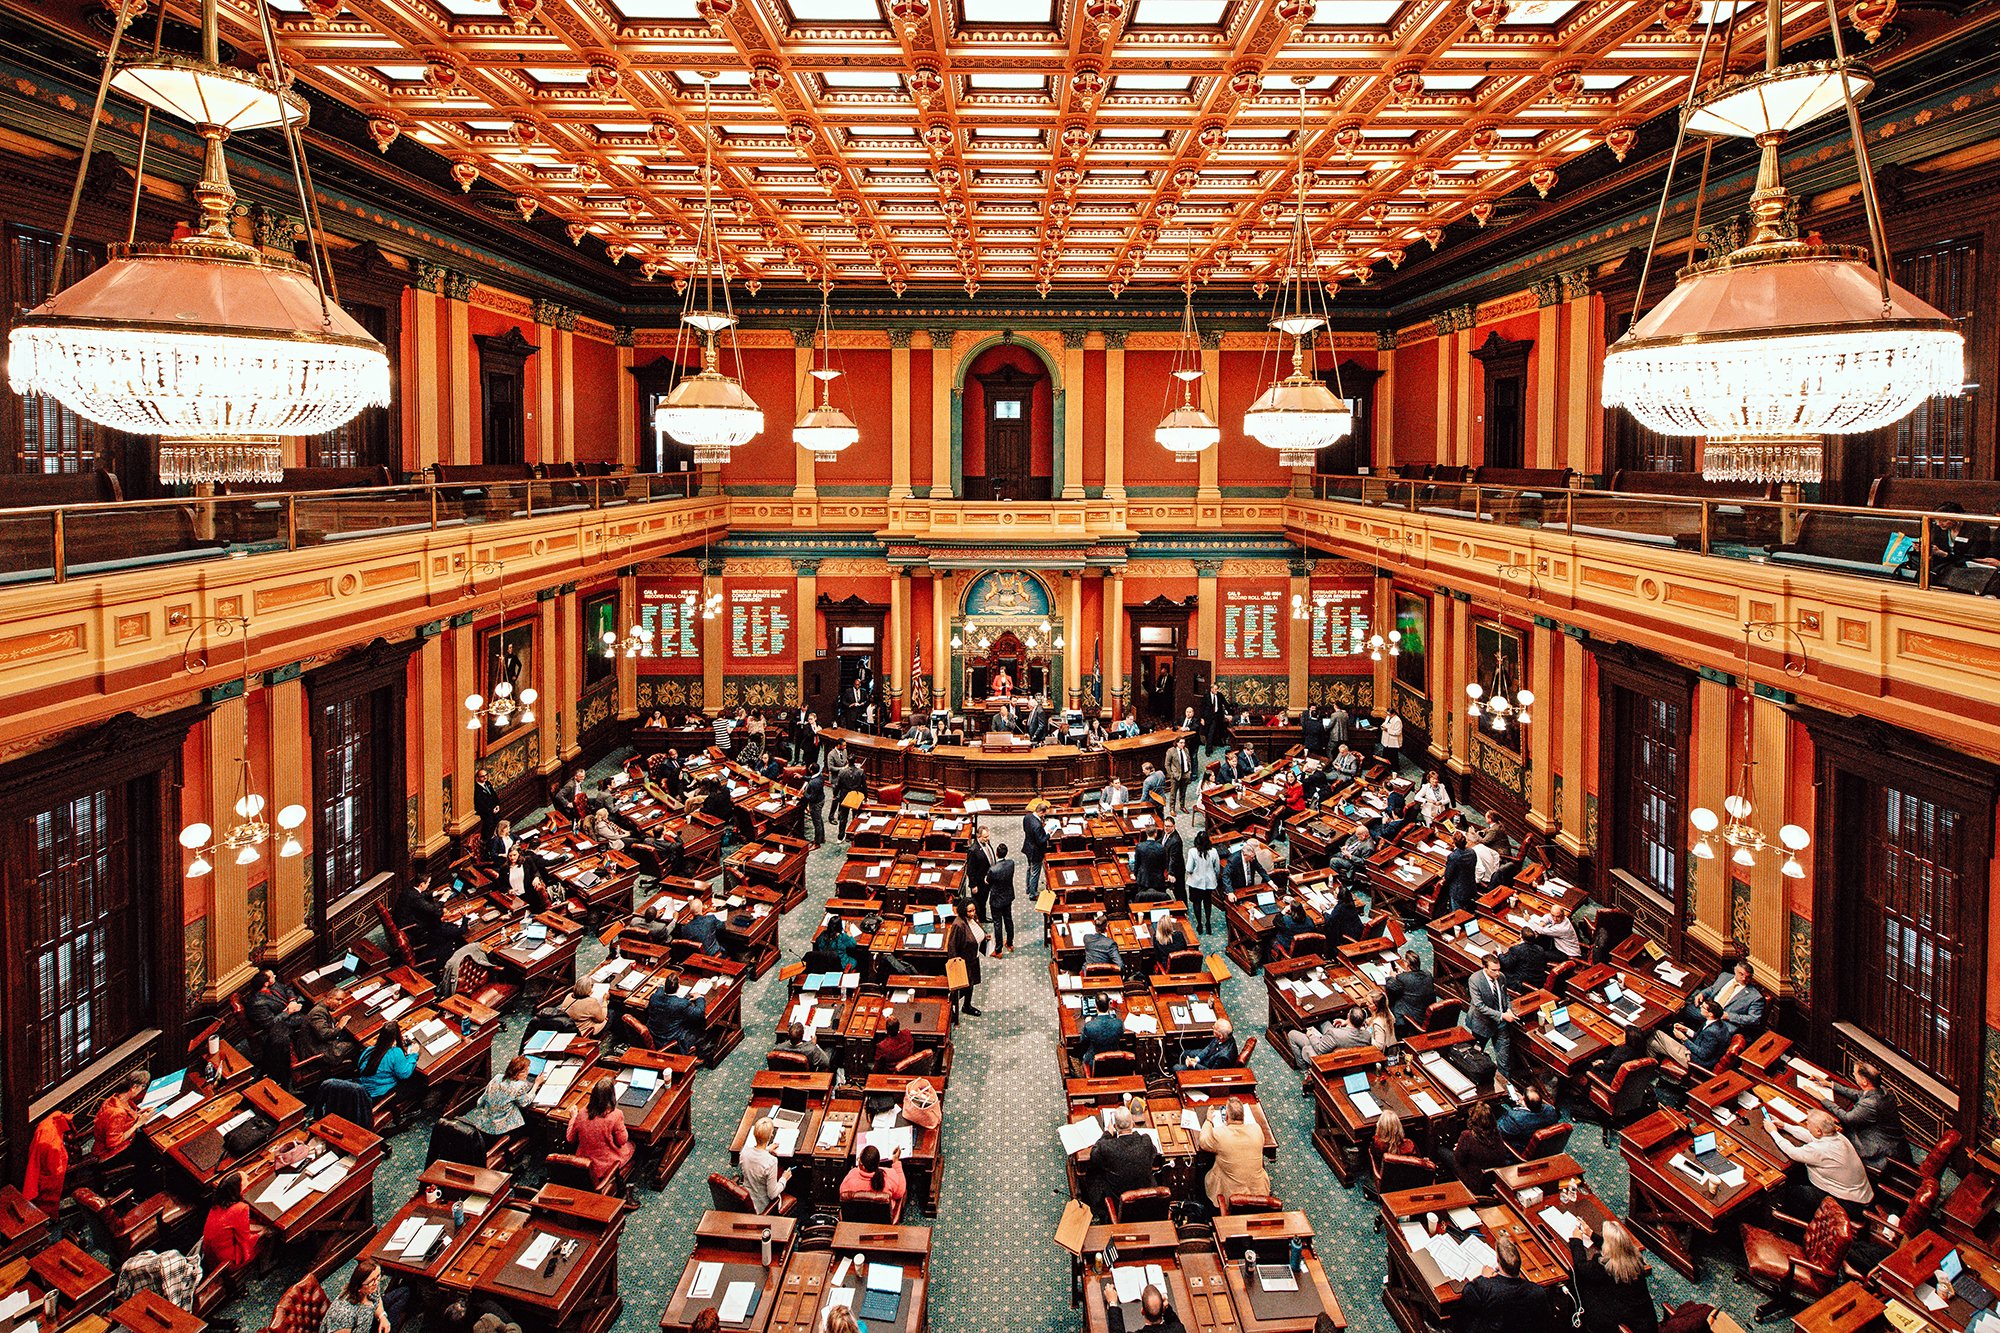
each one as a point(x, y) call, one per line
point(735, 1241)
point(1848, 1308)
point(1342, 1129)
point(77, 1281)
point(146, 1311)
point(1271, 1236)
point(1418, 1294)
point(1008, 779)
point(341, 1217)
point(1142, 1245)
point(856, 1244)
point(1914, 1265)
point(579, 1294)
point(478, 1191)
point(185, 1140)
point(777, 863)
point(1518, 1183)
point(23, 1226)
point(1667, 1208)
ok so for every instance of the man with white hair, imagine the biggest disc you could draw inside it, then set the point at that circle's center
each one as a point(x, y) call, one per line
point(1833, 1168)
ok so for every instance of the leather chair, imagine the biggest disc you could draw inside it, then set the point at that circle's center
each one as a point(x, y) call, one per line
point(1609, 927)
point(1626, 1096)
point(301, 1309)
point(1153, 1203)
point(1557, 981)
point(1442, 1014)
point(1397, 1171)
point(400, 947)
point(1185, 962)
point(635, 1032)
point(1912, 1218)
point(1246, 1051)
point(131, 1226)
point(478, 982)
point(1544, 1142)
point(1799, 1272)
point(1106, 970)
point(729, 1196)
point(1900, 1180)
point(1308, 944)
point(1114, 1064)
point(871, 1207)
point(570, 1170)
point(917, 1062)
point(789, 1062)
point(1252, 1203)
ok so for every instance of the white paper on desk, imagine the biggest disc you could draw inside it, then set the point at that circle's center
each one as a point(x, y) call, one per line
point(420, 1244)
point(977, 805)
point(770, 858)
point(1190, 1120)
point(1465, 1219)
point(1144, 1023)
point(283, 1197)
point(887, 1141)
point(1785, 1107)
point(1201, 1013)
point(443, 1041)
point(786, 1141)
point(1928, 1294)
point(1129, 1281)
point(538, 1251)
point(1179, 1013)
point(1670, 974)
point(399, 1240)
point(872, 871)
point(1365, 1103)
point(706, 1275)
point(929, 877)
point(1445, 1253)
point(1073, 1002)
point(241, 1117)
point(1474, 949)
point(1733, 1176)
point(1560, 1222)
point(1080, 1134)
point(555, 1084)
point(326, 1180)
point(1375, 972)
point(1319, 990)
point(1414, 1235)
point(1559, 1041)
point(542, 952)
point(1426, 1103)
point(736, 1302)
point(831, 1132)
point(181, 1105)
point(13, 1305)
point(1477, 1254)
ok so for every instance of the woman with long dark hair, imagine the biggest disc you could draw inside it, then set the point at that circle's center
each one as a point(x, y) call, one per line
point(872, 1174)
point(598, 1132)
point(387, 1063)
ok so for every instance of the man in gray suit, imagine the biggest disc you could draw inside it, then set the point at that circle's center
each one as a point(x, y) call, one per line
point(1874, 1121)
point(1491, 1016)
point(1736, 993)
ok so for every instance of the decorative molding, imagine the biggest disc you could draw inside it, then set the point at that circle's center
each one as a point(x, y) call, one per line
point(805, 567)
point(1207, 569)
point(1211, 339)
point(1548, 290)
point(1114, 339)
point(458, 286)
point(900, 336)
point(1385, 340)
point(941, 339)
point(1454, 319)
point(430, 277)
point(625, 336)
point(1071, 339)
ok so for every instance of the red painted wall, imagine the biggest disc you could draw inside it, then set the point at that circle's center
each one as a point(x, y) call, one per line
point(863, 391)
point(596, 398)
point(479, 321)
point(1519, 328)
point(1042, 427)
point(1414, 423)
point(768, 459)
point(1095, 371)
point(1148, 379)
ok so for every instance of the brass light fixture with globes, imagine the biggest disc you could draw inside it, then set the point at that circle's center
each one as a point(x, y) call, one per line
point(1187, 428)
point(250, 832)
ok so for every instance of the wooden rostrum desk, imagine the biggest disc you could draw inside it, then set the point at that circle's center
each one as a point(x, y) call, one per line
point(1009, 778)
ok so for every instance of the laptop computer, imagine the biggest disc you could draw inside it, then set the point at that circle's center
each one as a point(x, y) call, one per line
point(1277, 1277)
point(1968, 1288)
point(1624, 1001)
point(1559, 1021)
point(1703, 1151)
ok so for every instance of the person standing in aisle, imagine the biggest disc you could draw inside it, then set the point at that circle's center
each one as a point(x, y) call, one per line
point(1034, 844)
point(1000, 901)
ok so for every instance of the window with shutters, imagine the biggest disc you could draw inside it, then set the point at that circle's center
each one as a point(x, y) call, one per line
point(1648, 836)
point(1903, 968)
point(357, 809)
point(364, 439)
point(46, 436)
point(1935, 440)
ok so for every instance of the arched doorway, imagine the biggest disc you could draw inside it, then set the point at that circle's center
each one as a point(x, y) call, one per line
point(1007, 423)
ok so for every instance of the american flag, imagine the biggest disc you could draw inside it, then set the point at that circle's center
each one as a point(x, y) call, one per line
point(1097, 673)
point(920, 686)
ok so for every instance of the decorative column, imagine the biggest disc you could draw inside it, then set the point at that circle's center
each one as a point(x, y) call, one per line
point(1208, 490)
point(1114, 638)
point(943, 405)
point(1383, 446)
point(805, 487)
point(1383, 675)
point(563, 358)
point(628, 667)
point(291, 784)
point(1579, 370)
point(1073, 627)
point(1548, 353)
point(437, 711)
point(1541, 733)
point(942, 668)
point(225, 739)
point(1114, 414)
point(1456, 669)
point(1461, 374)
point(423, 387)
point(899, 421)
point(1207, 615)
point(1713, 769)
point(462, 663)
point(557, 714)
point(1768, 904)
point(898, 674)
point(806, 632)
point(1299, 643)
point(714, 633)
point(461, 445)
point(628, 401)
point(1072, 422)
point(1570, 808)
point(1446, 364)
point(542, 434)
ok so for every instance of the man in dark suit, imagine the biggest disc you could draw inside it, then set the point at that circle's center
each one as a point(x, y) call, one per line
point(678, 1020)
point(1292, 921)
point(1688, 1044)
point(1122, 1160)
point(1461, 877)
point(1411, 993)
point(1312, 730)
point(1219, 1053)
point(1490, 1017)
point(1244, 868)
point(485, 803)
point(1502, 1301)
point(703, 929)
point(1100, 947)
point(1034, 843)
point(1149, 862)
point(1873, 1120)
point(1154, 1308)
point(1736, 992)
point(1102, 1031)
point(1214, 719)
point(1038, 721)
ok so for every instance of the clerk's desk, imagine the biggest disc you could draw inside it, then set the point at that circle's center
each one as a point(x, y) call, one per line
point(1008, 778)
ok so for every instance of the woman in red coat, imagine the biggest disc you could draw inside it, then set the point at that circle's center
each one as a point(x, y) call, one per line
point(228, 1238)
point(48, 1164)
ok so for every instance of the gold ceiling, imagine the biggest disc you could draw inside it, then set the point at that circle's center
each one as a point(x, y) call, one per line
point(1063, 142)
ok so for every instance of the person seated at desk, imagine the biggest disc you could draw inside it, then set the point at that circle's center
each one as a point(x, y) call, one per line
point(1485, 862)
point(1346, 763)
point(1460, 885)
point(1094, 734)
point(794, 1040)
point(1518, 1124)
point(1433, 801)
point(1686, 1045)
point(1219, 1053)
point(761, 1174)
point(1478, 1151)
point(1170, 937)
point(497, 1113)
point(1833, 1169)
point(1345, 1032)
point(1099, 947)
point(1501, 1300)
point(598, 1133)
point(1238, 1144)
point(1291, 922)
point(422, 918)
point(1149, 866)
point(1153, 1308)
point(921, 737)
point(119, 1117)
point(1610, 1274)
point(387, 1063)
point(1556, 927)
point(834, 937)
point(1344, 924)
point(1352, 858)
point(1526, 963)
point(677, 1021)
point(1873, 1120)
point(321, 1036)
point(892, 1045)
point(1411, 993)
point(1102, 1031)
point(1291, 801)
point(270, 1011)
point(1736, 993)
point(1243, 766)
point(1127, 728)
point(703, 928)
point(717, 803)
point(1122, 1160)
point(582, 1007)
point(870, 1174)
point(360, 1307)
point(1004, 721)
point(229, 1234)
point(1114, 795)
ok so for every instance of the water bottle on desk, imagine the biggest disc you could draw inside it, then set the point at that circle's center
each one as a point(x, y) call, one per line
point(1298, 1255)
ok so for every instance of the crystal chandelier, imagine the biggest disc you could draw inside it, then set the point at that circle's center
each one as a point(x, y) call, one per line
point(1743, 839)
point(207, 342)
point(1499, 705)
point(824, 430)
point(1780, 341)
point(1298, 416)
point(709, 412)
point(1187, 428)
point(1377, 644)
point(250, 831)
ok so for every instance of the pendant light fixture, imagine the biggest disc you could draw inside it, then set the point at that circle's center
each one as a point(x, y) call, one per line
point(1736, 833)
point(249, 832)
point(1298, 415)
point(1377, 645)
point(1187, 428)
point(824, 430)
point(207, 342)
point(1501, 705)
point(1781, 341)
point(709, 412)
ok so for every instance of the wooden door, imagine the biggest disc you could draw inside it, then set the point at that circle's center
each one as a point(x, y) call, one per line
point(820, 687)
point(1007, 444)
point(1191, 680)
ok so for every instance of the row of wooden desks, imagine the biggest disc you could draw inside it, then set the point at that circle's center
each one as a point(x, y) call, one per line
point(552, 1259)
point(752, 1271)
point(821, 1130)
point(1440, 1238)
point(1172, 1120)
point(1352, 1088)
point(655, 1094)
point(1304, 992)
point(1164, 1015)
point(1246, 1283)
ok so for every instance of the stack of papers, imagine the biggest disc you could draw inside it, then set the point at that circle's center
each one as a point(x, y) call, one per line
point(1144, 1023)
point(887, 1141)
point(556, 1083)
point(1080, 1134)
point(1562, 1223)
point(1130, 1280)
point(1365, 1103)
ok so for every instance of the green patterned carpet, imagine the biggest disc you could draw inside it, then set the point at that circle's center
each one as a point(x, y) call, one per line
point(996, 1268)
